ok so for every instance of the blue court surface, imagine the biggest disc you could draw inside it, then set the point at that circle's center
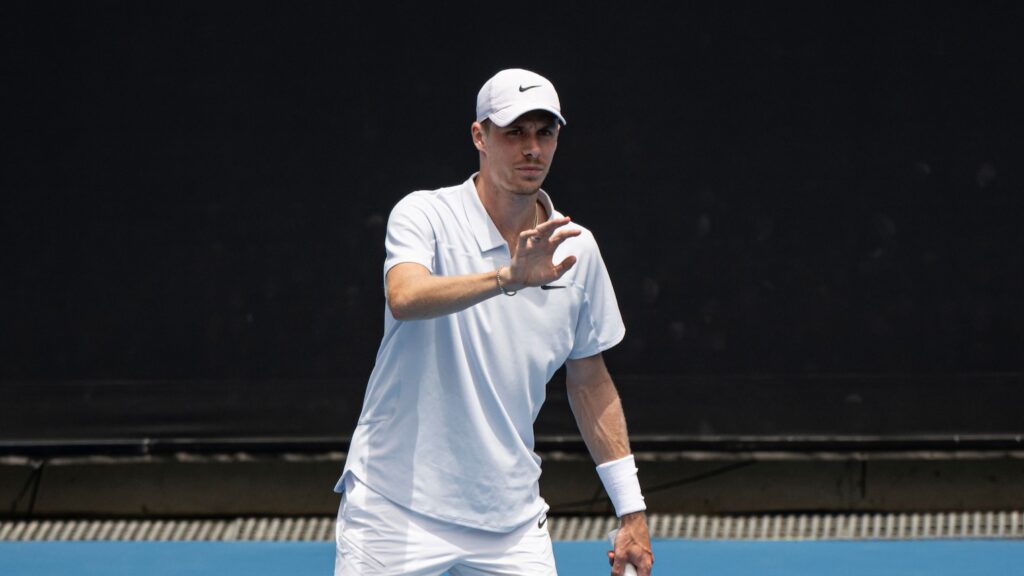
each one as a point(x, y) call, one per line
point(683, 557)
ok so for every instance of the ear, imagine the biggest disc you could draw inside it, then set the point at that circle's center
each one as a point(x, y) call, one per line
point(477, 131)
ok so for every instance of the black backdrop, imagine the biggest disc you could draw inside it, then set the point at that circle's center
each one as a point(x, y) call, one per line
point(198, 191)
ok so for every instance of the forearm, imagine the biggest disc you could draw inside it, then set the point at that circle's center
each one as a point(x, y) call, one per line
point(598, 410)
point(595, 404)
point(424, 296)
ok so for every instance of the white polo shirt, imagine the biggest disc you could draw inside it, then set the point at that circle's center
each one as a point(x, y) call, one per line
point(446, 428)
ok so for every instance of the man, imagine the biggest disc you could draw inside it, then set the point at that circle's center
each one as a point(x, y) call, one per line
point(489, 291)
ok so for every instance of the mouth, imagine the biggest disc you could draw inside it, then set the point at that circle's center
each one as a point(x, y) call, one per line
point(530, 170)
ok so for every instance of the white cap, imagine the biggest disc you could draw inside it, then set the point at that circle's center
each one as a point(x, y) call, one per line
point(511, 93)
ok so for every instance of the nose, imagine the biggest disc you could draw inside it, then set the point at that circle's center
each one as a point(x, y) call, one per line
point(531, 148)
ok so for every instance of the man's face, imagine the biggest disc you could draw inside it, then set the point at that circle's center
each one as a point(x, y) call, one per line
point(517, 157)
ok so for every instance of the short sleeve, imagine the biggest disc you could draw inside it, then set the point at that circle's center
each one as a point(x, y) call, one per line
point(599, 326)
point(410, 234)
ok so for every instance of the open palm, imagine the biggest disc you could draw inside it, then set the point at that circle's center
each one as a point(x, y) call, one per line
point(532, 263)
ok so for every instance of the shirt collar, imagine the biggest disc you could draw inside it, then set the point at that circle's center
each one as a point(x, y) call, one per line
point(484, 230)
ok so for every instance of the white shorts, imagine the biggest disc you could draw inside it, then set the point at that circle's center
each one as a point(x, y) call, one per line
point(375, 536)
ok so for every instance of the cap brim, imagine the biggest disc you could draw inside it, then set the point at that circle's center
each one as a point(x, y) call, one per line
point(505, 117)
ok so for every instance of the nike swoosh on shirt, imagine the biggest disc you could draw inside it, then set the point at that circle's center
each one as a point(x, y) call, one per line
point(542, 521)
point(521, 89)
point(550, 287)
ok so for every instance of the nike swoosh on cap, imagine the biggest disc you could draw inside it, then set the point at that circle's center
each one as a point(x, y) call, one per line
point(522, 89)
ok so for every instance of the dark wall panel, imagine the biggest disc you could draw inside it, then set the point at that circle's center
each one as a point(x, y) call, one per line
point(199, 192)
point(788, 413)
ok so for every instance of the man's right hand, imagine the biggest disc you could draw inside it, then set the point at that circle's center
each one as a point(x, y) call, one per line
point(532, 264)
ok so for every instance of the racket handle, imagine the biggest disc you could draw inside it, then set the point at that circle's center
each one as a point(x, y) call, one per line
point(630, 569)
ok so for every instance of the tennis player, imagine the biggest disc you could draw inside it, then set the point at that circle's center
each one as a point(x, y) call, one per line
point(489, 291)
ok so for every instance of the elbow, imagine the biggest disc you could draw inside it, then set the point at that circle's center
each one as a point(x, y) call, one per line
point(401, 314)
point(402, 306)
point(399, 307)
point(407, 298)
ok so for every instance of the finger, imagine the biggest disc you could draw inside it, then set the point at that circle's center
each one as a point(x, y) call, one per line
point(618, 566)
point(563, 235)
point(527, 235)
point(642, 560)
point(549, 227)
point(565, 265)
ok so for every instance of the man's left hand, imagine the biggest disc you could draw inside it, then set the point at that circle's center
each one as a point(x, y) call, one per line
point(632, 546)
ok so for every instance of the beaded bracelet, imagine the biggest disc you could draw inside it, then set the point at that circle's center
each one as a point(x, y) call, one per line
point(497, 276)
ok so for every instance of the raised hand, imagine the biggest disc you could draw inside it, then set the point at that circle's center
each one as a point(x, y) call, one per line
point(532, 263)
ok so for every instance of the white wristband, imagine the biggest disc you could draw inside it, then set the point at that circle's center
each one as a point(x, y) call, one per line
point(622, 485)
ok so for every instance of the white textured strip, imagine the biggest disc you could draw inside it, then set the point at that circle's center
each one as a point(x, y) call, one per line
point(987, 524)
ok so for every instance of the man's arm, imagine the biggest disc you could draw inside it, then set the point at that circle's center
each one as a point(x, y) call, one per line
point(595, 404)
point(413, 293)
